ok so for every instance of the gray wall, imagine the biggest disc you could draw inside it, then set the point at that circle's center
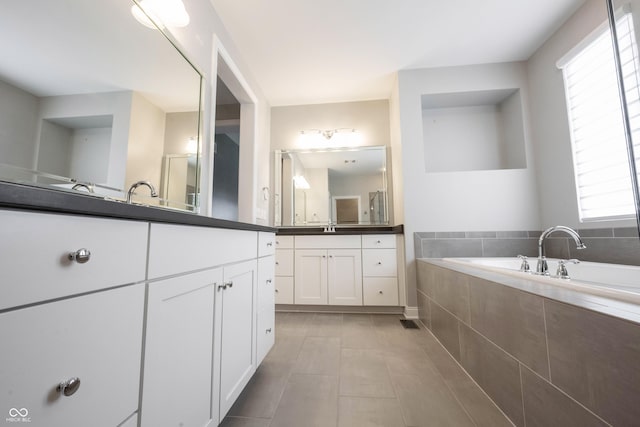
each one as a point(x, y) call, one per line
point(610, 245)
point(18, 124)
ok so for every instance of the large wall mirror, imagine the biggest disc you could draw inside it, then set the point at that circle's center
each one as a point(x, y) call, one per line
point(92, 100)
point(342, 186)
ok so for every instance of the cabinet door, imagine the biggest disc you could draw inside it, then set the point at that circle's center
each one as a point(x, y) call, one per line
point(311, 276)
point(266, 307)
point(284, 290)
point(345, 277)
point(96, 338)
point(235, 341)
point(176, 387)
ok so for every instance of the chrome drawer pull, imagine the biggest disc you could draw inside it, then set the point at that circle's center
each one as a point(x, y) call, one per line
point(69, 387)
point(80, 256)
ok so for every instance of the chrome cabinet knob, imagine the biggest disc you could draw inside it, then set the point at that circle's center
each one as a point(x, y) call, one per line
point(80, 256)
point(269, 243)
point(228, 284)
point(268, 331)
point(269, 281)
point(277, 291)
point(378, 242)
point(379, 262)
point(222, 287)
point(69, 387)
point(380, 292)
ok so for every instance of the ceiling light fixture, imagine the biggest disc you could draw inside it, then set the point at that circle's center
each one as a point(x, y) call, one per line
point(163, 13)
point(327, 133)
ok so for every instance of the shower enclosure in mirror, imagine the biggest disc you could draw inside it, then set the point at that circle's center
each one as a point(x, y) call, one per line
point(342, 186)
point(93, 101)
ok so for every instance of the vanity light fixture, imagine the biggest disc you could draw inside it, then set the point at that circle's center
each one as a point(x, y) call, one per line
point(164, 13)
point(327, 133)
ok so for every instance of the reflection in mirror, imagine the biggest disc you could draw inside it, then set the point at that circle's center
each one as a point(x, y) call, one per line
point(226, 154)
point(343, 186)
point(90, 96)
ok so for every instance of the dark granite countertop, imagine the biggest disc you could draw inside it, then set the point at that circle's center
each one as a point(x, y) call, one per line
point(361, 229)
point(16, 196)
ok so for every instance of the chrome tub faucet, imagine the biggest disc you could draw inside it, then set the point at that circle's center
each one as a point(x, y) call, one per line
point(542, 268)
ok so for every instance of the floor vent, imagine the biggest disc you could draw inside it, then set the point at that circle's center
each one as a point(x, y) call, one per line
point(409, 324)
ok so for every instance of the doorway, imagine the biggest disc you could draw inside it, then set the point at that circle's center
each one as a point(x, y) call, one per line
point(346, 209)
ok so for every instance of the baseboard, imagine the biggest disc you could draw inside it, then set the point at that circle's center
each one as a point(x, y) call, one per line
point(338, 309)
point(411, 313)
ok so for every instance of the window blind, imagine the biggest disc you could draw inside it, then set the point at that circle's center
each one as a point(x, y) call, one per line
point(595, 119)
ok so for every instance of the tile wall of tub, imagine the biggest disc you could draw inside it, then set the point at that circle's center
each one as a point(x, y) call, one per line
point(611, 245)
point(542, 362)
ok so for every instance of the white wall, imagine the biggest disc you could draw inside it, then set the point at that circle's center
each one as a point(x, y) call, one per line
point(460, 201)
point(145, 152)
point(18, 120)
point(90, 154)
point(369, 118)
point(196, 40)
point(550, 129)
point(317, 196)
point(54, 155)
point(116, 104)
point(179, 127)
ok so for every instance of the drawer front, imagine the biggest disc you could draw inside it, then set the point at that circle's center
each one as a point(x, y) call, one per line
point(380, 291)
point(77, 337)
point(378, 241)
point(284, 262)
point(175, 249)
point(284, 242)
point(266, 243)
point(328, 242)
point(284, 290)
point(266, 283)
point(379, 262)
point(35, 248)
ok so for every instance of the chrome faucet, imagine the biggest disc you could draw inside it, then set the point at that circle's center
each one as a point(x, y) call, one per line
point(542, 268)
point(135, 185)
point(80, 185)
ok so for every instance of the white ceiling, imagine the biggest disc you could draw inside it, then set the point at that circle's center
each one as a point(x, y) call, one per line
point(310, 51)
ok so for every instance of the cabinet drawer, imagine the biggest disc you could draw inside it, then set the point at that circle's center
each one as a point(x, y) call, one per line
point(328, 242)
point(378, 241)
point(35, 248)
point(266, 243)
point(379, 262)
point(380, 291)
point(284, 262)
point(177, 249)
point(284, 242)
point(266, 283)
point(77, 337)
point(284, 290)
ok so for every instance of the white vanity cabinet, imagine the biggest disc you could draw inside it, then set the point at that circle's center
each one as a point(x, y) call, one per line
point(176, 385)
point(265, 331)
point(379, 270)
point(203, 284)
point(234, 335)
point(94, 338)
point(284, 270)
point(72, 297)
point(332, 269)
point(328, 270)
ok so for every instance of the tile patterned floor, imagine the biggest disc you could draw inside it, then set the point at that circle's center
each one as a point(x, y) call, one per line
point(359, 370)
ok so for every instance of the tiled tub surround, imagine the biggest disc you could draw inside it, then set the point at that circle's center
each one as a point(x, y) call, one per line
point(547, 356)
point(611, 245)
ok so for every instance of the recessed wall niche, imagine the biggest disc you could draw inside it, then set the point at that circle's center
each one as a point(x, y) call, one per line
point(76, 147)
point(472, 131)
